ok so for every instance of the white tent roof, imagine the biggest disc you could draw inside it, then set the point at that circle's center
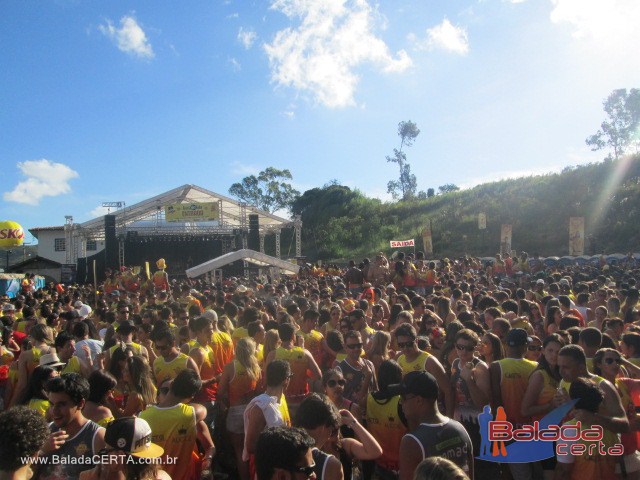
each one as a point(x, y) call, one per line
point(233, 214)
point(260, 259)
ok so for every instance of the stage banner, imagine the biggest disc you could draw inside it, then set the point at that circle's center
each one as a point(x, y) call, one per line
point(427, 241)
point(402, 243)
point(482, 221)
point(576, 236)
point(191, 212)
point(505, 238)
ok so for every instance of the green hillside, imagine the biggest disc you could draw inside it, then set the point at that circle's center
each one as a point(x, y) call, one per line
point(342, 223)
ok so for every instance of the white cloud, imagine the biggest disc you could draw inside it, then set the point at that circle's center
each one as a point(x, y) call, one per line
point(610, 22)
point(44, 179)
point(445, 36)
point(233, 15)
point(129, 38)
point(247, 37)
point(321, 54)
point(238, 168)
point(235, 64)
point(99, 211)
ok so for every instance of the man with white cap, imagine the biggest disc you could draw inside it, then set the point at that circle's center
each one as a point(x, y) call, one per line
point(129, 452)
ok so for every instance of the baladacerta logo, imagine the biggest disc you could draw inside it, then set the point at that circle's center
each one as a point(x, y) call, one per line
point(503, 442)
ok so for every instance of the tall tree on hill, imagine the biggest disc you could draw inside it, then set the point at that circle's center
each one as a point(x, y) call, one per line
point(620, 130)
point(406, 185)
point(267, 191)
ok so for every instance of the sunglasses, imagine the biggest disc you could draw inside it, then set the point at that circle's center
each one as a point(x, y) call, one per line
point(332, 383)
point(609, 361)
point(534, 348)
point(406, 344)
point(307, 470)
point(467, 348)
point(353, 346)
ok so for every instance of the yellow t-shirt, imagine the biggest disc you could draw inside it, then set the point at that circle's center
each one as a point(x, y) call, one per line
point(174, 429)
point(164, 370)
point(416, 365)
point(238, 333)
point(72, 366)
point(40, 405)
point(385, 425)
point(515, 375)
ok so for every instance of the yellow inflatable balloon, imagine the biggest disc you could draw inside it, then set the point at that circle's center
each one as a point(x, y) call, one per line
point(11, 234)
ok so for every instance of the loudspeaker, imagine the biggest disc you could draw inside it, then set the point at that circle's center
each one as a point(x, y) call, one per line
point(253, 241)
point(110, 242)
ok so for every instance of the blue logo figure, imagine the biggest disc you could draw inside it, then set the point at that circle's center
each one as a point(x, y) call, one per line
point(518, 451)
point(483, 420)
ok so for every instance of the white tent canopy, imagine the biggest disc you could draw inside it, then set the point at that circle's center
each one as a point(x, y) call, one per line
point(257, 258)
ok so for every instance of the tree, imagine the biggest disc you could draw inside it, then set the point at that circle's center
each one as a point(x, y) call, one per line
point(430, 192)
point(620, 130)
point(406, 185)
point(266, 191)
point(448, 188)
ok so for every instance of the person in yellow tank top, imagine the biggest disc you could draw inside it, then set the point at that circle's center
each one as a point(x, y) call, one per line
point(303, 367)
point(176, 425)
point(42, 338)
point(510, 376)
point(202, 354)
point(611, 415)
point(544, 380)
point(412, 359)
point(238, 385)
point(65, 347)
point(170, 361)
point(124, 334)
point(383, 419)
point(35, 397)
point(101, 387)
point(313, 339)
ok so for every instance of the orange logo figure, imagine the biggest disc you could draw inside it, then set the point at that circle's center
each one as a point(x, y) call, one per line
point(501, 416)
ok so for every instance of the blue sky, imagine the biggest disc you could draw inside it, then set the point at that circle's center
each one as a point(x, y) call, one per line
point(119, 101)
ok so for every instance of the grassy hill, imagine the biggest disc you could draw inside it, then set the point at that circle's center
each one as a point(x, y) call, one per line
point(342, 223)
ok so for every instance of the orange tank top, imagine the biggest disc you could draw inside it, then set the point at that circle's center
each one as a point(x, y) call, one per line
point(242, 386)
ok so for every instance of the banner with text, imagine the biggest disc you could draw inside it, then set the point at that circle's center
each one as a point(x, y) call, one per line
point(427, 241)
point(402, 243)
point(482, 221)
point(191, 212)
point(576, 236)
point(505, 239)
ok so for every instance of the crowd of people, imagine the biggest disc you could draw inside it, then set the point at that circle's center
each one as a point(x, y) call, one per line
point(380, 370)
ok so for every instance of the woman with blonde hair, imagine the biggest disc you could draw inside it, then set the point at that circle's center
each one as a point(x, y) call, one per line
point(41, 337)
point(439, 468)
point(379, 349)
point(271, 342)
point(238, 386)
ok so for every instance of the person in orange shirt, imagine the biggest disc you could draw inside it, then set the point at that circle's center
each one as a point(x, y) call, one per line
point(303, 367)
point(238, 384)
